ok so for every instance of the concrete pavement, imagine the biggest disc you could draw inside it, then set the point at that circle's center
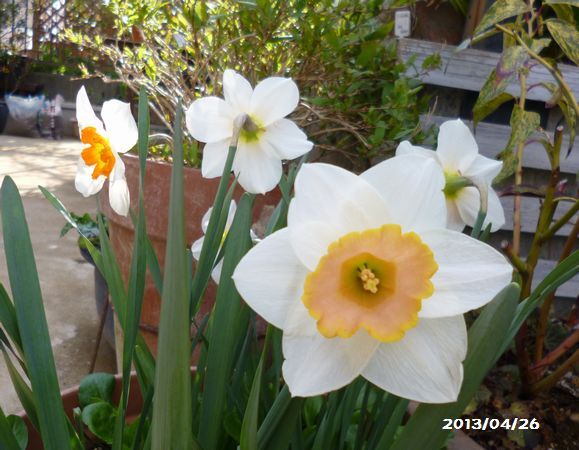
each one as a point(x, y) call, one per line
point(66, 279)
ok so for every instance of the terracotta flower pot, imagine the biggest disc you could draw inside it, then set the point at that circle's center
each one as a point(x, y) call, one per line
point(199, 196)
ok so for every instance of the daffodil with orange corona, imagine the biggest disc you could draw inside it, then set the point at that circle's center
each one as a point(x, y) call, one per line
point(367, 280)
point(99, 160)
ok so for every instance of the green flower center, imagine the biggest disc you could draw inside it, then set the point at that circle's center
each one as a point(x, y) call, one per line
point(251, 130)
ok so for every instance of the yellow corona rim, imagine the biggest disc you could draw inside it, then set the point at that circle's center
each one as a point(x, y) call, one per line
point(373, 280)
point(98, 154)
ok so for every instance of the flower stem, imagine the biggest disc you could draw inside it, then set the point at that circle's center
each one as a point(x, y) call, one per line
point(546, 306)
point(562, 221)
point(550, 381)
point(519, 175)
point(545, 218)
point(572, 340)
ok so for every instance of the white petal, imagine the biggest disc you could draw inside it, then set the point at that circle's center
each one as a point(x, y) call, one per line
point(331, 196)
point(406, 148)
point(236, 90)
point(470, 274)
point(270, 278)
point(453, 220)
point(287, 140)
point(273, 99)
point(214, 158)
point(485, 168)
point(258, 172)
point(119, 197)
point(316, 365)
point(83, 181)
point(228, 222)
point(196, 248)
point(85, 115)
point(468, 204)
point(457, 148)
point(210, 119)
point(411, 186)
point(311, 239)
point(230, 215)
point(496, 212)
point(120, 125)
point(426, 365)
point(216, 272)
point(205, 219)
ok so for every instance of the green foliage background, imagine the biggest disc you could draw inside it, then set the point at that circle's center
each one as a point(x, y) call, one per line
point(357, 100)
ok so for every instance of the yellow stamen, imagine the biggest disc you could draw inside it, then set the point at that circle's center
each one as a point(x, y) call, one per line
point(373, 280)
point(98, 153)
point(369, 280)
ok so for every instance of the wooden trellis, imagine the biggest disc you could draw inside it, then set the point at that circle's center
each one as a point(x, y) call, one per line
point(34, 28)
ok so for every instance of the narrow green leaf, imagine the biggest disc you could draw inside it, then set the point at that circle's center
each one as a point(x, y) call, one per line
point(59, 206)
point(143, 420)
point(22, 391)
point(348, 407)
point(137, 275)
point(8, 317)
point(152, 260)
point(566, 36)
point(362, 422)
point(499, 11)
point(31, 319)
point(279, 423)
point(212, 249)
point(213, 237)
point(7, 439)
point(79, 426)
point(393, 423)
point(323, 439)
point(153, 265)
point(486, 339)
point(563, 272)
point(171, 425)
point(145, 366)
point(19, 431)
point(248, 439)
point(228, 324)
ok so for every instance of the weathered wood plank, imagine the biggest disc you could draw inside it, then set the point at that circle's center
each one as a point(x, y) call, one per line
point(492, 138)
point(530, 214)
point(469, 69)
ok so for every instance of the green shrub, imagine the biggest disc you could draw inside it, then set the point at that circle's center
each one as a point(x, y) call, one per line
point(341, 54)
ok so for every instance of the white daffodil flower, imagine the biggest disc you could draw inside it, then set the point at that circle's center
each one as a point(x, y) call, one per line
point(198, 244)
point(457, 154)
point(100, 159)
point(266, 137)
point(365, 281)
